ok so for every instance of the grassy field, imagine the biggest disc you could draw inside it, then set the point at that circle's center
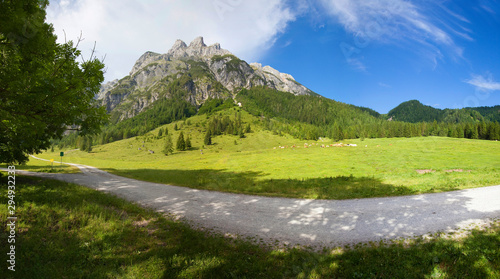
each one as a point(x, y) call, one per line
point(69, 231)
point(44, 166)
point(252, 165)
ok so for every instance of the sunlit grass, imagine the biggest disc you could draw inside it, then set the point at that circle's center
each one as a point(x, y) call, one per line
point(376, 167)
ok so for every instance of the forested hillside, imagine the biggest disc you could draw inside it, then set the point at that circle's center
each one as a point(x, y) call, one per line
point(304, 117)
point(414, 112)
point(489, 113)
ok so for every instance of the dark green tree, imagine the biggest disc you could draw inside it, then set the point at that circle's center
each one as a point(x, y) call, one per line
point(188, 143)
point(181, 143)
point(160, 133)
point(43, 87)
point(208, 138)
point(168, 147)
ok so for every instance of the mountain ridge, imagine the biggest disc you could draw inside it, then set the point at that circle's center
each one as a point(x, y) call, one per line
point(414, 111)
point(197, 71)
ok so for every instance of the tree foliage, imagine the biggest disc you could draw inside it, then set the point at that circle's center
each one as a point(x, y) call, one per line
point(208, 138)
point(168, 147)
point(43, 89)
point(181, 143)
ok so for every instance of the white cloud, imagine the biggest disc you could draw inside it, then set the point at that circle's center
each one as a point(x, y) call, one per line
point(399, 21)
point(484, 83)
point(125, 29)
point(357, 65)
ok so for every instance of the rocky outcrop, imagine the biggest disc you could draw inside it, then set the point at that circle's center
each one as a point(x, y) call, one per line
point(204, 71)
point(280, 81)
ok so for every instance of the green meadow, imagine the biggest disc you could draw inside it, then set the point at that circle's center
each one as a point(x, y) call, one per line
point(70, 231)
point(257, 165)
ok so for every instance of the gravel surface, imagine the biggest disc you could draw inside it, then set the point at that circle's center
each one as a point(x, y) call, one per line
point(315, 223)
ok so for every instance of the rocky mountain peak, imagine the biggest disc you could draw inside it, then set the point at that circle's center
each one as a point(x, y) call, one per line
point(197, 48)
point(197, 43)
point(179, 44)
point(205, 76)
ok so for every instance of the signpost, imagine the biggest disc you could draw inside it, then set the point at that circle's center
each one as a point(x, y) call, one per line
point(61, 154)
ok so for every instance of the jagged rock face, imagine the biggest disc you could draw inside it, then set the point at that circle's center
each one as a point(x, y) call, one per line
point(205, 72)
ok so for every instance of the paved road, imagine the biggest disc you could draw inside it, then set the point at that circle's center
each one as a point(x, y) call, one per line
point(305, 222)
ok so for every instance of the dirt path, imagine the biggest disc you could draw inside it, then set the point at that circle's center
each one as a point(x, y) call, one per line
point(305, 222)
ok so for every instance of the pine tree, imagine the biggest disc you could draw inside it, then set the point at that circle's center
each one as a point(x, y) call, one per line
point(181, 144)
point(248, 129)
point(208, 138)
point(188, 143)
point(175, 127)
point(169, 146)
point(474, 133)
point(160, 133)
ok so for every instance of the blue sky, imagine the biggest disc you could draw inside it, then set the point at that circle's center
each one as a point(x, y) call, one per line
point(373, 53)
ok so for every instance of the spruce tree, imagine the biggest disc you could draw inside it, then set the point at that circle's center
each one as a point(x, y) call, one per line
point(160, 133)
point(169, 146)
point(181, 144)
point(188, 143)
point(208, 138)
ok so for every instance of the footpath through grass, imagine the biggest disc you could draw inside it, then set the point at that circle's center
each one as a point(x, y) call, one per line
point(69, 231)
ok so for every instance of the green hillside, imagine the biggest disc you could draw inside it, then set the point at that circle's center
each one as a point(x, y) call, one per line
point(489, 113)
point(262, 162)
point(414, 112)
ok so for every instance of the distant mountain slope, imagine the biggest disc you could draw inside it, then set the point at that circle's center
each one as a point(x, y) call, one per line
point(489, 113)
point(308, 109)
point(413, 111)
point(195, 73)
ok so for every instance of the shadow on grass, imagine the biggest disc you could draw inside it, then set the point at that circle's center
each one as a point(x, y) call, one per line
point(56, 168)
point(69, 231)
point(255, 183)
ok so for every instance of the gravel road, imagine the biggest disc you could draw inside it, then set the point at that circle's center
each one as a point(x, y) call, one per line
point(315, 223)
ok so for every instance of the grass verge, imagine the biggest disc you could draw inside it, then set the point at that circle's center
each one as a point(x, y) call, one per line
point(69, 231)
point(44, 166)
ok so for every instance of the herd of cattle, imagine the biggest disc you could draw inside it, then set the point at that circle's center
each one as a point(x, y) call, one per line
point(306, 145)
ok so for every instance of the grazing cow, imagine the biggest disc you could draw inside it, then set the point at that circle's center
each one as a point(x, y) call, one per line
point(151, 151)
point(274, 147)
point(139, 148)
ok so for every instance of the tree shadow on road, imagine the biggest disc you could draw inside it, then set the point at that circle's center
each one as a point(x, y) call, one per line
point(74, 232)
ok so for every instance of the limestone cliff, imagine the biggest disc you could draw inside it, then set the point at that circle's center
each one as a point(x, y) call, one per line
point(197, 71)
